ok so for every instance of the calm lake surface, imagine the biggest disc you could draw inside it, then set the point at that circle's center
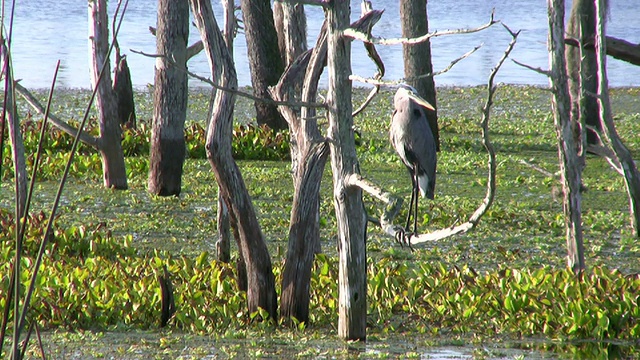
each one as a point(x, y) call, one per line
point(48, 30)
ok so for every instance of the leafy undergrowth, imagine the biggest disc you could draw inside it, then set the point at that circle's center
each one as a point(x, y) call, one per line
point(250, 142)
point(94, 281)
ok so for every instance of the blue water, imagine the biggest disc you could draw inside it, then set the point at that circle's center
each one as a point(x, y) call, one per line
point(48, 30)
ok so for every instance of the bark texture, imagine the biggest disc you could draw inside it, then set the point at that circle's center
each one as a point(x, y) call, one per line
point(417, 58)
point(304, 232)
point(265, 62)
point(170, 99)
point(570, 164)
point(350, 212)
point(260, 279)
point(114, 171)
point(223, 244)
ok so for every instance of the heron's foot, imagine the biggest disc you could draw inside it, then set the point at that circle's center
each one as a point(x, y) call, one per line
point(403, 237)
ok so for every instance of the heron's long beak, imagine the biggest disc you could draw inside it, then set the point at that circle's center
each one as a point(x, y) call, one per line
point(420, 100)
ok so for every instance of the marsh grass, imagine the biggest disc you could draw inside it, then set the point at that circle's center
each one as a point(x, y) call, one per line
point(523, 230)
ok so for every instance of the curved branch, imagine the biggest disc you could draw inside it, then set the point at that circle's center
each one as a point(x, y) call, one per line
point(491, 176)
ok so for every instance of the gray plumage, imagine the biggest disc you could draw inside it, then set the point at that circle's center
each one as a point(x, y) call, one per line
point(413, 140)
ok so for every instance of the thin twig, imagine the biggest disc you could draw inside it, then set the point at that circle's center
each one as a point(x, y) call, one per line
point(25, 342)
point(44, 357)
point(538, 169)
point(536, 69)
point(378, 82)
point(233, 91)
point(322, 3)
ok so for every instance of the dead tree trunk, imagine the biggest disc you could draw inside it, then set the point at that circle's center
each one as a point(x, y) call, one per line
point(304, 233)
point(170, 99)
point(582, 66)
point(350, 212)
point(291, 26)
point(629, 169)
point(566, 132)
point(223, 244)
point(417, 57)
point(260, 279)
point(309, 153)
point(114, 171)
point(123, 88)
point(265, 62)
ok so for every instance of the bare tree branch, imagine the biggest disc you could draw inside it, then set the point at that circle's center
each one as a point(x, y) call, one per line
point(193, 50)
point(393, 203)
point(322, 3)
point(538, 169)
point(378, 82)
point(56, 121)
point(358, 35)
point(608, 154)
point(617, 48)
point(609, 132)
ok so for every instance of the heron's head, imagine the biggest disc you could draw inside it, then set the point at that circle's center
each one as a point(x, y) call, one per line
point(409, 92)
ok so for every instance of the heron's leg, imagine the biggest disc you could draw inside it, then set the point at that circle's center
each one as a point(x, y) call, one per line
point(413, 193)
point(415, 212)
point(413, 205)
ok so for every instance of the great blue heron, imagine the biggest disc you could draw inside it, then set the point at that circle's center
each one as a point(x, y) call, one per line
point(413, 140)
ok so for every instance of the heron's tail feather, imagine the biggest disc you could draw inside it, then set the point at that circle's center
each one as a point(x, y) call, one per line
point(427, 186)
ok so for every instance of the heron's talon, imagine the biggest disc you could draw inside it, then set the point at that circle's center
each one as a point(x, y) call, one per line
point(403, 237)
point(407, 239)
point(400, 234)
